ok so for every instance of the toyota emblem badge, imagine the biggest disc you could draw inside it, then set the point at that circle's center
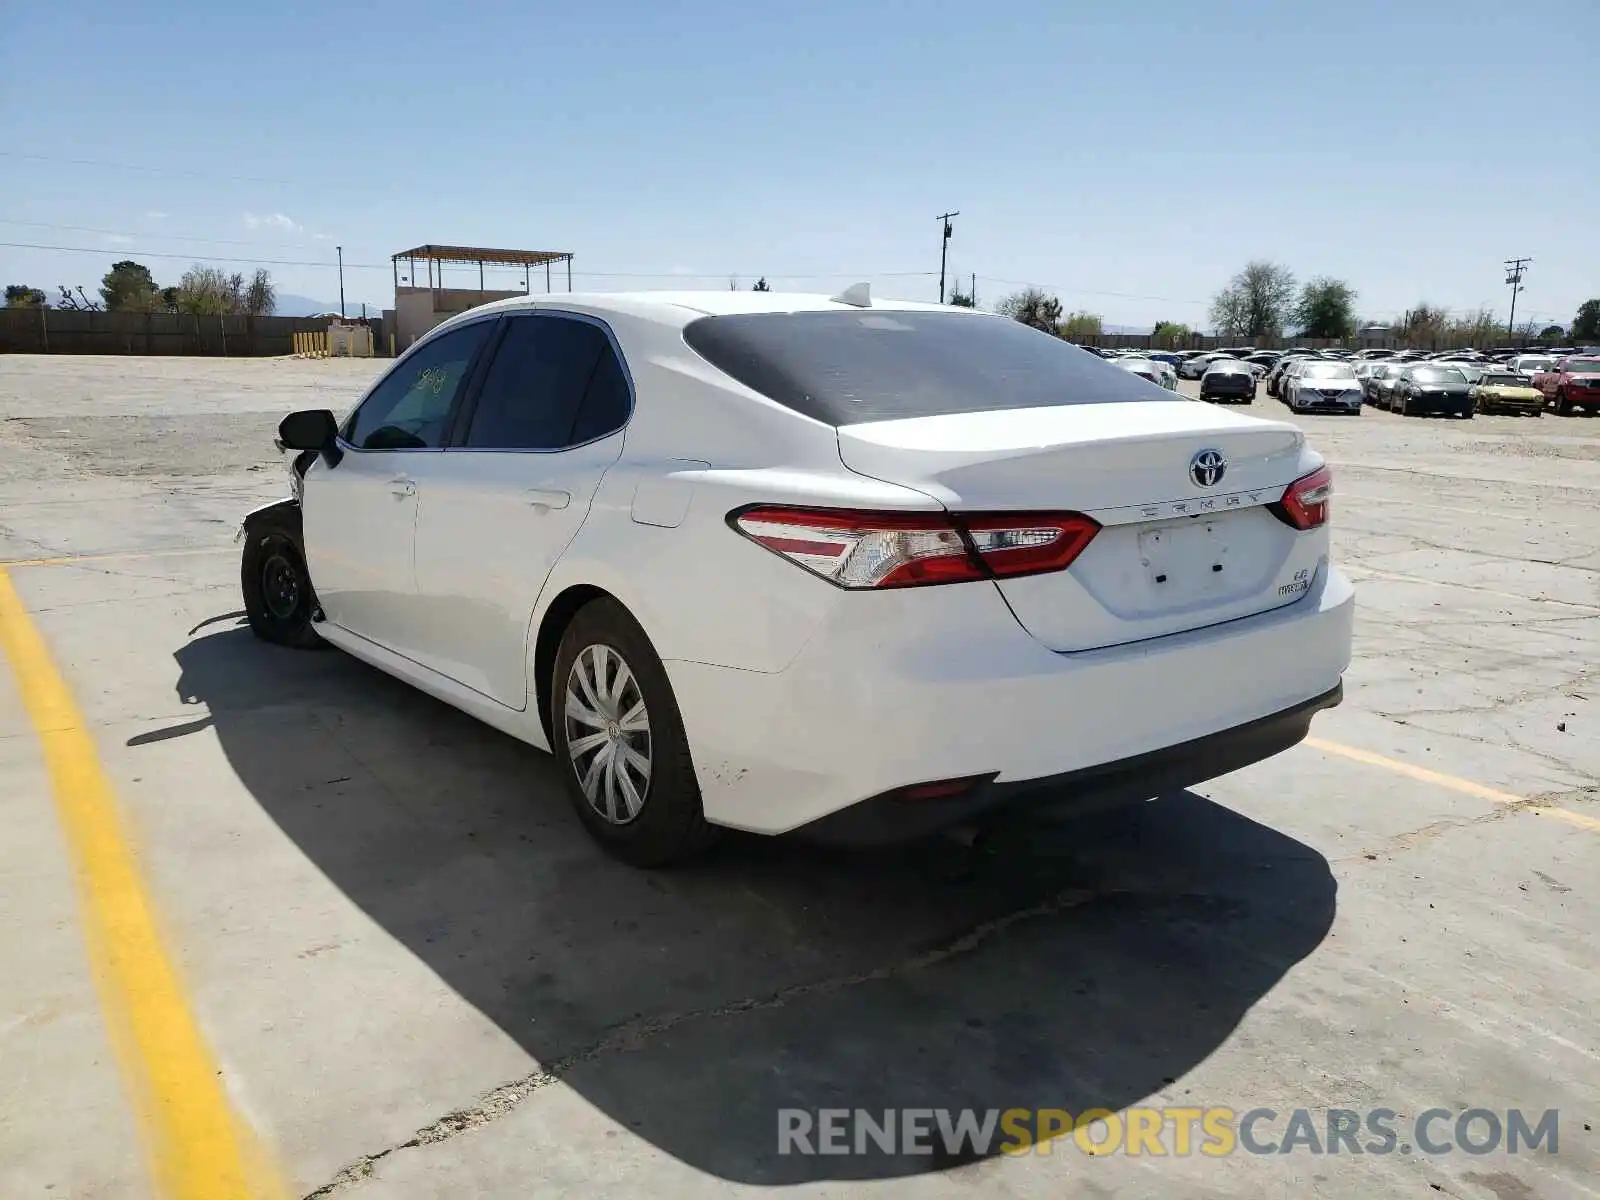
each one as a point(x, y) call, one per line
point(1207, 468)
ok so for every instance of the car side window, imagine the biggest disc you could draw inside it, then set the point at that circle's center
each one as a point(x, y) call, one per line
point(409, 409)
point(536, 388)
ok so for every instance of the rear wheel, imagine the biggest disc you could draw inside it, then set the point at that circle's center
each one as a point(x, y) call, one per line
point(619, 738)
point(279, 600)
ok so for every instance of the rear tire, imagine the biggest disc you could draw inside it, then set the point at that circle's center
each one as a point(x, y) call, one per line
point(279, 600)
point(633, 785)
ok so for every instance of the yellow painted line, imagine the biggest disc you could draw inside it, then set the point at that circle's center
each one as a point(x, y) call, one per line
point(1455, 784)
point(198, 1148)
point(65, 560)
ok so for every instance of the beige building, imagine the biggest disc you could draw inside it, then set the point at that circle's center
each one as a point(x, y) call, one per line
point(422, 303)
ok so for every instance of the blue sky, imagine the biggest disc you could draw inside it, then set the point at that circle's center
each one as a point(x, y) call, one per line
point(1129, 156)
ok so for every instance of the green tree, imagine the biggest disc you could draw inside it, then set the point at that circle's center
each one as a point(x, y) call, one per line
point(962, 299)
point(1551, 334)
point(1080, 325)
point(1586, 325)
point(1032, 306)
point(210, 292)
point(1170, 331)
point(1326, 309)
point(129, 287)
point(169, 299)
point(20, 295)
point(1256, 302)
point(761, 285)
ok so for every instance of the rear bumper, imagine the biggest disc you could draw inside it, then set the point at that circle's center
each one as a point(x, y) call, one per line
point(1428, 406)
point(889, 818)
point(925, 684)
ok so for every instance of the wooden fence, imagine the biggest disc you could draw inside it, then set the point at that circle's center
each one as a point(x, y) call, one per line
point(65, 331)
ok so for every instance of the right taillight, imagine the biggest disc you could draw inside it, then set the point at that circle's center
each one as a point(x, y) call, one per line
point(1305, 501)
point(858, 549)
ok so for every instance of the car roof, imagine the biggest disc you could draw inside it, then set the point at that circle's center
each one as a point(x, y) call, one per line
point(682, 307)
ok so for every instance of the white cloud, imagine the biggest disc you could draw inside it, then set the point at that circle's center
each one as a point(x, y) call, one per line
point(155, 216)
point(117, 239)
point(323, 237)
point(272, 221)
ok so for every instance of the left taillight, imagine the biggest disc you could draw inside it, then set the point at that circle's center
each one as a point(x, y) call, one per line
point(860, 549)
point(1305, 501)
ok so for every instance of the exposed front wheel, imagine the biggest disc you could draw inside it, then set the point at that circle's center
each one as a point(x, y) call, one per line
point(276, 585)
point(618, 736)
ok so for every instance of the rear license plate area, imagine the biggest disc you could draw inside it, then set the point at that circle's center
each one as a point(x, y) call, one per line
point(1185, 559)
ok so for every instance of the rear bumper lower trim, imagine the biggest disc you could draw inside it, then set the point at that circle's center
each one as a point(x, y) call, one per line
point(887, 819)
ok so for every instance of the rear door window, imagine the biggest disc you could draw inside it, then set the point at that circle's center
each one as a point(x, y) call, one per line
point(536, 385)
point(845, 368)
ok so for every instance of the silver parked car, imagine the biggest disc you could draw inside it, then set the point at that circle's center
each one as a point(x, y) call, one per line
point(1324, 386)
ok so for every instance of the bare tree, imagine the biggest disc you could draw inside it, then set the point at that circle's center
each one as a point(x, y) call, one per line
point(1479, 327)
point(1256, 302)
point(260, 295)
point(1032, 306)
point(78, 303)
point(1425, 324)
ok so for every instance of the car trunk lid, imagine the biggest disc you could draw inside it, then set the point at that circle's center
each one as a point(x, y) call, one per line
point(1182, 545)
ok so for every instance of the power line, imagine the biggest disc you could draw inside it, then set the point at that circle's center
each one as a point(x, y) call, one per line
point(122, 166)
point(175, 237)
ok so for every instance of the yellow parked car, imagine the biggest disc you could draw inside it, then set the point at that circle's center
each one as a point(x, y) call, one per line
point(1505, 392)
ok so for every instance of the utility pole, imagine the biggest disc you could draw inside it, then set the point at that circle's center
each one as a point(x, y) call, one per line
point(974, 292)
point(339, 250)
point(1514, 269)
point(944, 248)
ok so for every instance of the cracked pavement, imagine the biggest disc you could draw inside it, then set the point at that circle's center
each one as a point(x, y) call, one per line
point(420, 979)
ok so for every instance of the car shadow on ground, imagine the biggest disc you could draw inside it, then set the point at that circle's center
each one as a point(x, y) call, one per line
point(1072, 966)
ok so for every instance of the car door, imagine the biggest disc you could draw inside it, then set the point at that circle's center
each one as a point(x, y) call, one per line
point(497, 510)
point(359, 515)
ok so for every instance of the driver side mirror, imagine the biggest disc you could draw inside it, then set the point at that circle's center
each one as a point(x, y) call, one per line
point(311, 429)
point(308, 429)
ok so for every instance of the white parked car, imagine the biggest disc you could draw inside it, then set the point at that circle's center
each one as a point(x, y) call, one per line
point(1153, 369)
point(1531, 364)
point(791, 563)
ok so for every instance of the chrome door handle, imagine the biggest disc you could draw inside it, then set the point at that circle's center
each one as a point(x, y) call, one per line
point(401, 486)
point(551, 498)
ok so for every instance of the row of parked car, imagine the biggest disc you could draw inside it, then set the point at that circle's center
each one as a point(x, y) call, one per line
point(1456, 383)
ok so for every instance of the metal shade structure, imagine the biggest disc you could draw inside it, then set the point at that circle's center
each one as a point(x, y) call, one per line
point(436, 257)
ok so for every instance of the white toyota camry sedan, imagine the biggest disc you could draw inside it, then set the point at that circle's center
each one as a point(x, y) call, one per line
point(845, 567)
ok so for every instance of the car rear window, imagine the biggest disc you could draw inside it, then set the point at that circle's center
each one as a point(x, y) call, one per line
point(845, 368)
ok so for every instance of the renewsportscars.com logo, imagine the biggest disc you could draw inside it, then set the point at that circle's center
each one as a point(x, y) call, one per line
point(1164, 1132)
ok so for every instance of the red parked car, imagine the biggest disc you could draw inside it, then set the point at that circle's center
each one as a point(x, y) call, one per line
point(1574, 382)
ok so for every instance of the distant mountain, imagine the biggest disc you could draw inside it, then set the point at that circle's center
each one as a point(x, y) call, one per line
point(290, 305)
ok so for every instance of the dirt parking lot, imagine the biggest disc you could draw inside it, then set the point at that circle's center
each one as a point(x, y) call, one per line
point(383, 944)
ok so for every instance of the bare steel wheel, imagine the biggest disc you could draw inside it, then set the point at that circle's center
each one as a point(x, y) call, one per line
point(279, 600)
point(618, 735)
point(608, 733)
point(280, 582)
